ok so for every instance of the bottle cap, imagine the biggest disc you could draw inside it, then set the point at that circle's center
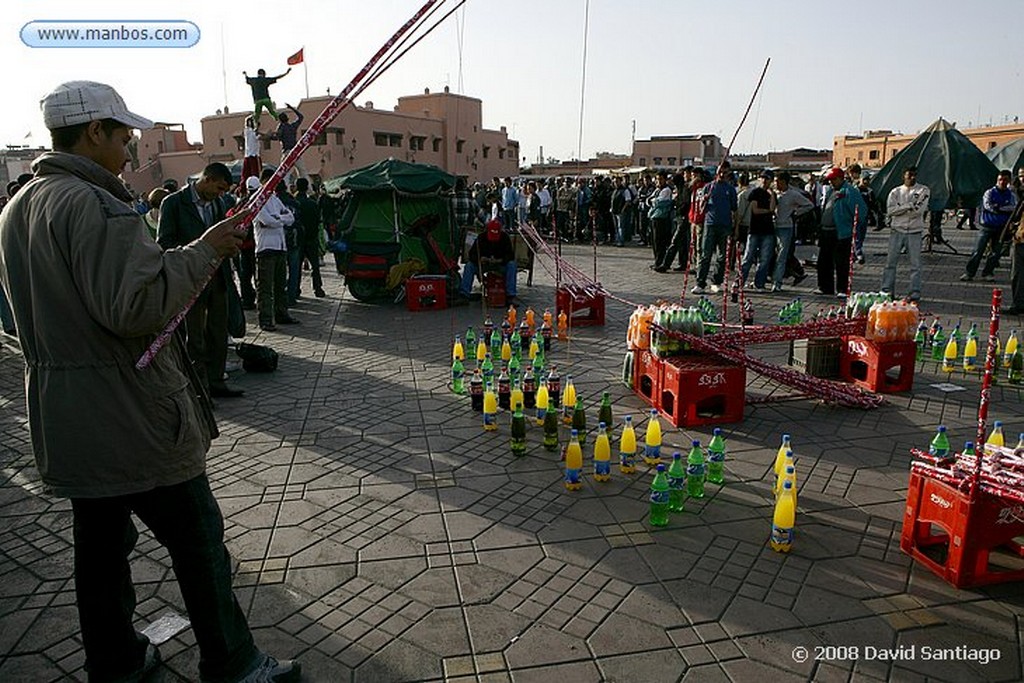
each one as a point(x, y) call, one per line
point(602, 426)
point(695, 443)
point(787, 485)
point(661, 468)
point(997, 424)
point(677, 455)
point(942, 428)
point(717, 431)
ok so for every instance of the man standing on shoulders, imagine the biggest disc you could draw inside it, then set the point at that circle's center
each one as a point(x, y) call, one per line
point(841, 203)
point(93, 291)
point(184, 217)
point(261, 92)
point(907, 210)
point(251, 163)
point(287, 132)
point(996, 207)
point(719, 219)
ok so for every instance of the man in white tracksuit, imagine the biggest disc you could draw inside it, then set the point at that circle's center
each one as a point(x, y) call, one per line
point(907, 209)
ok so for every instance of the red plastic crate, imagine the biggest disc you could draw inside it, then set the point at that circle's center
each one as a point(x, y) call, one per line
point(702, 390)
point(426, 293)
point(964, 543)
point(882, 367)
point(494, 289)
point(647, 376)
point(585, 307)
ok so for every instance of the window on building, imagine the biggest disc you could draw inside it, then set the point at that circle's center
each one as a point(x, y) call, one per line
point(339, 137)
point(860, 155)
point(501, 152)
point(893, 152)
point(487, 151)
point(459, 144)
point(321, 139)
point(991, 145)
point(671, 161)
point(380, 139)
point(873, 154)
point(160, 145)
point(657, 161)
point(643, 161)
point(437, 144)
point(221, 142)
point(394, 140)
point(417, 142)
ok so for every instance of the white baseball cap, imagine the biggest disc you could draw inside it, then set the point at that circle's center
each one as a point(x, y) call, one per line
point(77, 102)
point(252, 183)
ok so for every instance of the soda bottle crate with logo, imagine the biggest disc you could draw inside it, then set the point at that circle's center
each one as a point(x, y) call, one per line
point(584, 306)
point(647, 376)
point(882, 367)
point(964, 543)
point(702, 390)
point(494, 289)
point(426, 293)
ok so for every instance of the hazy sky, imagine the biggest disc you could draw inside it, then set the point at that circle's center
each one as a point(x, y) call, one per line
point(672, 66)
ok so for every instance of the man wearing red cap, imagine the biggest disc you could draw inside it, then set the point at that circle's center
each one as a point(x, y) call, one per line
point(491, 251)
point(841, 206)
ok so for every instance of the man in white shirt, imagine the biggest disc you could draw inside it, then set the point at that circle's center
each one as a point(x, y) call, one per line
point(907, 209)
point(251, 163)
point(544, 195)
point(271, 260)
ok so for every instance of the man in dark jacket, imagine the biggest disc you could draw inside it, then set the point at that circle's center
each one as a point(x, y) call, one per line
point(184, 216)
point(309, 236)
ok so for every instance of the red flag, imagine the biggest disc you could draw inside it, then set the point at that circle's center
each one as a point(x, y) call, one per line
point(296, 58)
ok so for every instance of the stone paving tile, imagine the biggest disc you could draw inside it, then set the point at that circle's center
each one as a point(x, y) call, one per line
point(412, 546)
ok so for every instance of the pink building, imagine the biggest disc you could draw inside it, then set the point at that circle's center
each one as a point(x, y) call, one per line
point(160, 153)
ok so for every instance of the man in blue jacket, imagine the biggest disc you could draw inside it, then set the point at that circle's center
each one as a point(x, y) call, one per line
point(842, 210)
point(996, 207)
point(719, 219)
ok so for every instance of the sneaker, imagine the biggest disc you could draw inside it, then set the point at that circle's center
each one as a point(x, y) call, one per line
point(678, 269)
point(798, 279)
point(149, 662)
point(776, 287)
point(965, 278)
point(320, 294)
point(272, 671)
point(697, 289)
point(715, 289)
point(860, 259)
point(841, 295)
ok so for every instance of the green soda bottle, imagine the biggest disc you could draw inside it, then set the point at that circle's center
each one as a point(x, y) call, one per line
point(458, 371)
point(550, 430)
point(716, 457)
point(604, 414)
point(471, 339)
point(695, 471)
point(920, 339)
point(515, 369)
point(939, 446)
point(518, 431)
point(659, 498)
point(938, 344)
point(487, 368)
point(676, 483)
point(1016, 373)
point(579, 420)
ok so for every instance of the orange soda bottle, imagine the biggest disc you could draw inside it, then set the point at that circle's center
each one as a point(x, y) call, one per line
point(530, 320)
point(563, 326)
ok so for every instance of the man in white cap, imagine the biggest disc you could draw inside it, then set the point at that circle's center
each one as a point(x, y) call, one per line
point(90, 290)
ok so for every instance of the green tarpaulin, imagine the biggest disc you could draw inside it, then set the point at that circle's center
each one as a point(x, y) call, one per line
point(947, 162)
point(1009, 155)
point(389, 198)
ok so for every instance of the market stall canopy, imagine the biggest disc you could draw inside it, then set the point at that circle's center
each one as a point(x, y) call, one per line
point(952, 167)
point(393, 174)
point(1009, 155)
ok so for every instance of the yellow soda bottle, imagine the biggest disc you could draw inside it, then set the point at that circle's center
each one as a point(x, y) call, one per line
point(506, 350)
point(652, 440)
point(780, 462)
point(996, 437)
point(573, 463)
point(568, 400)
point(490, 409)
point(949, 355)
point(784, 520)
point(534, 348)
point(481, 351)
point(1011, 347)
point(789, 480)
point(458, 353)
point(542, 403)
point(517, 394)
point(970, 354)
point(602, 455)
point(627, 447)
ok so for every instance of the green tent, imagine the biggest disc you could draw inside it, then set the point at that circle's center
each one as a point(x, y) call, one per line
point(947, 162)
point(1009, 155)
point(388, 198)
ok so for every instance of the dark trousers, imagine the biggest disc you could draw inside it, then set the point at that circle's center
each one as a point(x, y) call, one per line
point(661, 235)
point(311, 252)
point(186, 520)
point(678, 245)
point(833, 262)
point(246, 267)
point(1017, 274)
point(271, 285)
point(987, 237)
point(207, 327)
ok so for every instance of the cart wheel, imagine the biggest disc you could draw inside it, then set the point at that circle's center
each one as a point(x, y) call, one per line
point(367, 290)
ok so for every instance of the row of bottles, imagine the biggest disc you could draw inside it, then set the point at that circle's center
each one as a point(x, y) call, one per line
point(792, 313)
point(676, 318)
point(934, 342)
point(939, 447)
point(892, 321)
point(860, 303)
